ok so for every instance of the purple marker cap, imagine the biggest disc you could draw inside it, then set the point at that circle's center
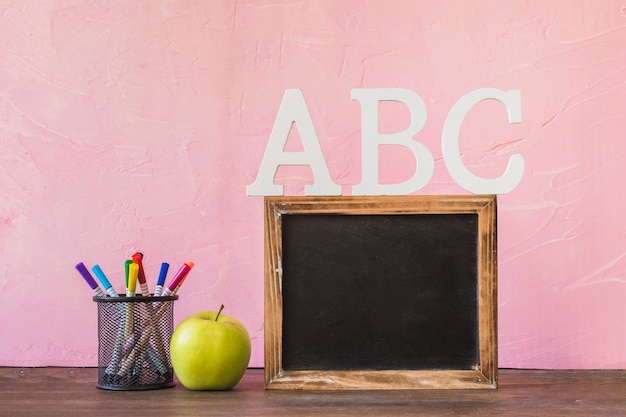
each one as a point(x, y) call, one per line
point(82, 269)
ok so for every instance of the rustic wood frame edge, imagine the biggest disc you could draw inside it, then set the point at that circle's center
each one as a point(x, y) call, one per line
point(484, 377)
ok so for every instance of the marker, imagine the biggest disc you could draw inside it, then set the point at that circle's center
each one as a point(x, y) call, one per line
point(178, 278)
point(180, 284)
point(145, 291)
point(137, 350)
point(157, 361)
point(129, 344)
point(133, 272)
point(141, 276)
point(126, 264)
point(144, 339)
point(103, 280)
point(161, 281)
point(84, 272)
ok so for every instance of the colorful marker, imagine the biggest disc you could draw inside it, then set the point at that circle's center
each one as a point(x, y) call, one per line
point(180, 284)
point(84, 272)
point(161, 281)
point(146, 334)
point(133, 272)
point(104, 281)
point(126, 265)
point(172, 288)
point(117, 314)
point(141, 275)
point(178, 278)
point(145, 291)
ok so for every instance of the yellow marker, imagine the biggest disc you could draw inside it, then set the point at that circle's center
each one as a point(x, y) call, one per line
point(133, 273)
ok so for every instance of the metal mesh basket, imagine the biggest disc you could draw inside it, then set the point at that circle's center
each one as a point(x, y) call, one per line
point(133, 342)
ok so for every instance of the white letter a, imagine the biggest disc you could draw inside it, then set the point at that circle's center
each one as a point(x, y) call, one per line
point(293, 110)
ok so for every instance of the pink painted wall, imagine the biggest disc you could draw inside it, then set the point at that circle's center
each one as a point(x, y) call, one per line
point(137, 125)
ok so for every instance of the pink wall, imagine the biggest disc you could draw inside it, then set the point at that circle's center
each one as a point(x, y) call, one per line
point(137, 125)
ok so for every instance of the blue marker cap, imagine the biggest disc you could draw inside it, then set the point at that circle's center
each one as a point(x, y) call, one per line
point(101, 277)
point(164, 268)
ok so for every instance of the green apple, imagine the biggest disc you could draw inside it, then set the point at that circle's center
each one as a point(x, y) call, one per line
point(210, 351)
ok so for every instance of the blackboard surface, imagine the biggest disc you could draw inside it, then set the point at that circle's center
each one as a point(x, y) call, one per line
point(380, 291)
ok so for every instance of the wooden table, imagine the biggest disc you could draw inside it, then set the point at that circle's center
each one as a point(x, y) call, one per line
point(71, 392)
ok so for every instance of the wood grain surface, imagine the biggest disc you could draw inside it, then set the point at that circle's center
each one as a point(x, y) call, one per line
point(72, 392)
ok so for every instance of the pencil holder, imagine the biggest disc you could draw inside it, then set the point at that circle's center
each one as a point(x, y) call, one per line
point(133, 342)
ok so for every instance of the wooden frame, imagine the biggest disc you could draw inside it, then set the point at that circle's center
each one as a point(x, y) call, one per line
point(483, 375)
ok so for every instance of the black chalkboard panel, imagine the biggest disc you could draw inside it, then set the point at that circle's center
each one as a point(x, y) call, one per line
point(357, 287)
point(407, 283)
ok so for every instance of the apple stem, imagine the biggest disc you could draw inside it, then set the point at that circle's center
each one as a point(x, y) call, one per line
point(219, 312)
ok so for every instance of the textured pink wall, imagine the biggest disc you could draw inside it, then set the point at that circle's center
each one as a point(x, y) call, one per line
point(137, 125)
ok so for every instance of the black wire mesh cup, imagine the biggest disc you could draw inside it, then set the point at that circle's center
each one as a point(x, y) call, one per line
point(134, 335)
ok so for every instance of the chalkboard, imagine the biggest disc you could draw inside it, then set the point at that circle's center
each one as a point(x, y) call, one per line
point(380, 292)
